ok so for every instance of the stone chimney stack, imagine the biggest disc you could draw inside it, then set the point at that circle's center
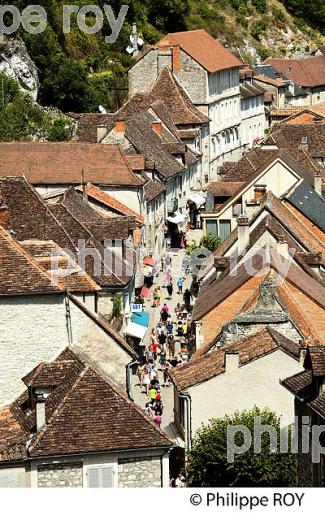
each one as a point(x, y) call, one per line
point(302, 350)
point(176, 58)
point(318, 184)
point(4, 215)
point(40, 410)
point(243, 232)
point(101, 131)
point(231, 361)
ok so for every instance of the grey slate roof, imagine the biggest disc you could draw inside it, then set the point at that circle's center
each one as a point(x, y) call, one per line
point(309, 203)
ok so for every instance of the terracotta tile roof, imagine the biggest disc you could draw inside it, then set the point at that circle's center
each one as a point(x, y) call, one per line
point(203, 48)
point(276, 82)
point(62, 163)
point(306, 291)
point(94, 192)
point(224, 189)
point(315, 358)
point(31, 218)
point(298, 383)
point(289, 138)
point(20, 273)
point(138, 130)
point(212, 362)
point(153, 189)
point(136, 162)
point(318, 404)
point(306, 72)
point(52, 258)
point(85, 413)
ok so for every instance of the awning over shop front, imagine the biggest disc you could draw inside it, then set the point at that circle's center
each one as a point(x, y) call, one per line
point(135, 330)
point(197, 198)
point(145, 293)
point(149, 260)
point(178, 218)
point(141, 318)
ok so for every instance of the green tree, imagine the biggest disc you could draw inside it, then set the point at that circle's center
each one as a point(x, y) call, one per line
point(210, 241)
point(20, 117)
point(261, 5)
point(208, 465)
point(65, 85)
point(59, 130)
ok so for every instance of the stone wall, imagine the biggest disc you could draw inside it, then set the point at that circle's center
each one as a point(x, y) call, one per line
point(34, 329)
point(143, 74)
point(63, 475)
point(139, 472)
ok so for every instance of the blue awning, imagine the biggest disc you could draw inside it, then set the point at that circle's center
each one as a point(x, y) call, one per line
point(141, 318)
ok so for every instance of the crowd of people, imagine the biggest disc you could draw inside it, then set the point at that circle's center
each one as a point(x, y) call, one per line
point(161, 354)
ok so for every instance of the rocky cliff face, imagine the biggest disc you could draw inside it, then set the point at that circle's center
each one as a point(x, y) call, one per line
point(16, 63)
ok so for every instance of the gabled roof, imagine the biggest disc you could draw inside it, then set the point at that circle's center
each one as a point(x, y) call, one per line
point(298, 383)
point(95, 193)
point(212, 362)
point(203, 48)
point(140, 133)
point(85, 413)
point(306, 72)
point(248, 90)
point(31, 218)
point(63, 163)
point(20, 274)
point(153, 189)
point(299, 293)
point(167, 90)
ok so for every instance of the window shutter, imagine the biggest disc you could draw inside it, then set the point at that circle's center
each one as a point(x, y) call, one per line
point(107, 477)
point(93, 477)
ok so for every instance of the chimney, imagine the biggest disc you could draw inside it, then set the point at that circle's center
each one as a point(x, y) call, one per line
point(282, 247)
point(302, 350)
point(231, 361)
point(120, 126)
point(101, 131)
point(243, 232)
point(318, 181)
point(4, 216)
point(157, 127)
point(176, 58)
point(40, 410)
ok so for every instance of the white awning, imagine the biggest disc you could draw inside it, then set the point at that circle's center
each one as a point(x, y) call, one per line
point(177, 219)
point(197, 198)
point(135, 330)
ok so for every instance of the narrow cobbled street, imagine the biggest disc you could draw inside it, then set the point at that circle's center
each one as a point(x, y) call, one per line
point(167, 393)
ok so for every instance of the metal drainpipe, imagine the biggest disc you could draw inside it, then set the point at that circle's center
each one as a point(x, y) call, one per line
point(187, 399)
point(128, 377)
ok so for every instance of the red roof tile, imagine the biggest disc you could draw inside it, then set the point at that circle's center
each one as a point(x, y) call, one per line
point(306, 72)
point(63, 163)
point(203, 48)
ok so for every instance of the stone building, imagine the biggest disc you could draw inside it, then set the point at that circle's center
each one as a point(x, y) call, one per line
point(307, 73)
point(235, 374)
point(209, 74)
point(307, 386)
point(39, 318)
point(73, 427)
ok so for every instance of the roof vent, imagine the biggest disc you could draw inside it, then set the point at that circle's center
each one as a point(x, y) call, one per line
point(304, 140)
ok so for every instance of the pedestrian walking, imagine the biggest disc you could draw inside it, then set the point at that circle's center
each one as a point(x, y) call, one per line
point(157, 419)
point(187, 299)
point(152, 393)
point(159, 295)
point(180, 285)
point(155, 298)
point(171, 346)
point(140, 369)
point(164, 314)
point(169, 327)
point(170, 290)
point(162, 339)
point(163, 355)
point(166, 374)
point(146, 380)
